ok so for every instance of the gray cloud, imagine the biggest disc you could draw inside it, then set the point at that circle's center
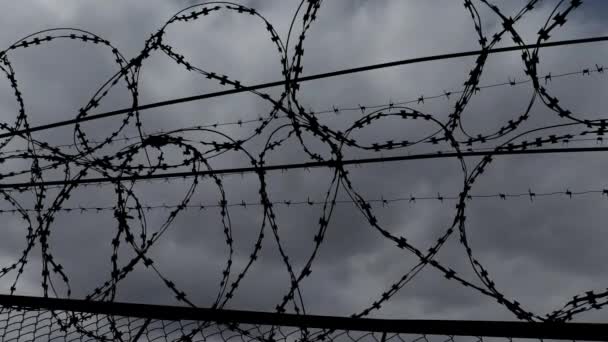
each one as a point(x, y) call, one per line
point(540, 252)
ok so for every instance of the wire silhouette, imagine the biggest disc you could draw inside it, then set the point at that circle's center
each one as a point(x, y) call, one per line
point(158, 151)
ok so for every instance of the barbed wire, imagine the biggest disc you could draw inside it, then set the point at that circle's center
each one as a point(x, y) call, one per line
point(168, 154)
point(363, 109)
point(383, 201)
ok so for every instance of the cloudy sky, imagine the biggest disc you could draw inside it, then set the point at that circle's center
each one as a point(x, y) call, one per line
point(539, 251)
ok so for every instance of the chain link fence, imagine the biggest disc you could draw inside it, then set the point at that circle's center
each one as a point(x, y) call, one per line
point(48, 319)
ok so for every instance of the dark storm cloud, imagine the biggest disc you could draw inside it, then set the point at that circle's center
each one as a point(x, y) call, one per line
point(541, 253)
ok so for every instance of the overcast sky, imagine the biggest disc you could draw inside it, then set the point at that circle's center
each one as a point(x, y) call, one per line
point(539, 251)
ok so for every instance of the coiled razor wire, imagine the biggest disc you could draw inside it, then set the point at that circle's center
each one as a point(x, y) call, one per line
point(87, 156)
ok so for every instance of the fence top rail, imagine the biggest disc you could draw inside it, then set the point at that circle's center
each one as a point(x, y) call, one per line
point(513, 329)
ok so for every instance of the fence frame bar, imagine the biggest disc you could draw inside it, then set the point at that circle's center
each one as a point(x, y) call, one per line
point(535, 330)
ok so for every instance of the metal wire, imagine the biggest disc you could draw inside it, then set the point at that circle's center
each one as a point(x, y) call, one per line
point(170, 154)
